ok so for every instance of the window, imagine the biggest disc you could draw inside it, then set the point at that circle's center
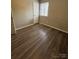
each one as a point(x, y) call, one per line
point(44, 9)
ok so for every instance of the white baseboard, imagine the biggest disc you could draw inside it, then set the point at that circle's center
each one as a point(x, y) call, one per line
point(24, 27)
point(43, 24)
point(55, 28)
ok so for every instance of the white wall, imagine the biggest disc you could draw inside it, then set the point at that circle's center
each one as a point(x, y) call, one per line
point(36, 11)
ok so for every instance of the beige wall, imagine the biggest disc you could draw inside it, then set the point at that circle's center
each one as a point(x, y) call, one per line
point(22, 13)
point(57, 15)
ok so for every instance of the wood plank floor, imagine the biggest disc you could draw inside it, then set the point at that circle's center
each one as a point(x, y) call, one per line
point(39, 42)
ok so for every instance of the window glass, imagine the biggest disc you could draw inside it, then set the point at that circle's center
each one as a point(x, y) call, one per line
point(44, 9)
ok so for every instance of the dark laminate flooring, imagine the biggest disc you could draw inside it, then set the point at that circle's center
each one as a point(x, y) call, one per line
point(39, 42)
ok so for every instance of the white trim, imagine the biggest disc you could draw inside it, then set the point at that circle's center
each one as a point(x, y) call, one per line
point(12, 22)
point(43, 24)
point(24, 27)
point(55, 28)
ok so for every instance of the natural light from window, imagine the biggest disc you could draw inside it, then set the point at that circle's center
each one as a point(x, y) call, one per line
point(44, 9)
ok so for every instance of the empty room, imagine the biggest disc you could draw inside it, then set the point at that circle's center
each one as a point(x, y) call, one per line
point(39, 29)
